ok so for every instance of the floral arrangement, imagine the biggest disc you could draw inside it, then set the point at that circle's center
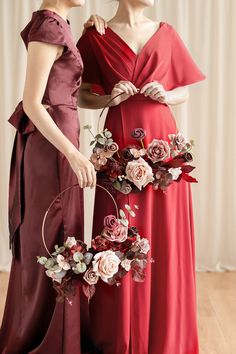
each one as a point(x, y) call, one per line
point(160, 163)
point(118, 249)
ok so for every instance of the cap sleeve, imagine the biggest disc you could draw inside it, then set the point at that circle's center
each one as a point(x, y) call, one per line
point(183, 70)
point(48, 30)
point(92, 72)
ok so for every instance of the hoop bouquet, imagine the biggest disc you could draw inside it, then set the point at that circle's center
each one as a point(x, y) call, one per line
point(132, 168)
point(116, 251)
point(159, 163)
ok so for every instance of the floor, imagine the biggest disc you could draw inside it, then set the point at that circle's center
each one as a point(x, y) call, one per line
point(216, 311)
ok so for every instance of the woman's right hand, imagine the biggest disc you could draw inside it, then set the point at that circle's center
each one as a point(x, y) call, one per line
point(83, 169)
point(126, 88)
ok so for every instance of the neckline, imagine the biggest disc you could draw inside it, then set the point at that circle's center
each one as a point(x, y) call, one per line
point(157, 32)
point(54, 13)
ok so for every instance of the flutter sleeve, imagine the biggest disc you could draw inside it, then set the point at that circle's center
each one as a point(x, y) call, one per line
point(183, 70)
point(48, 30)
point(92, 72)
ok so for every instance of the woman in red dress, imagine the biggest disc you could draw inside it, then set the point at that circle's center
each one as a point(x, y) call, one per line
point(45, 161)
point(159, 315)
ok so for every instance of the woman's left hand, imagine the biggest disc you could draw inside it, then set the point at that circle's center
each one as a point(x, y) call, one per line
point(97, 21)
point(155, 91)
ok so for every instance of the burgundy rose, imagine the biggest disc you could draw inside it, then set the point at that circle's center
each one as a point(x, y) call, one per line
point(99, 243)
point(188, 157)
point(138, 134)
point(126, 154)
point(158, 150)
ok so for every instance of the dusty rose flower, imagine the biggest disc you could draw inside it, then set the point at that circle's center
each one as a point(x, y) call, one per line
point(188, 156)
point(106, 265)
point(175, 173)
point(110, 222)
point(70, 242)
point(138, 133)
point(117, 234)
point(158, 150)
point(110, 150)
point(142, 244)
point(139, 172)
point(91, 277)
point(62, 262)
point(179, 140)
point(126, 264)
point(98, 159)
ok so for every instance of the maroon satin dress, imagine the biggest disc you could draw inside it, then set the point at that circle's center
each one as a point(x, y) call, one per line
point(33, 322)
point(159, 315)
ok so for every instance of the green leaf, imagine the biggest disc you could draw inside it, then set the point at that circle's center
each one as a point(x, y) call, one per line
point(101, 141)
point(92, 142)
point(127, 206)
point(122, 214)
point(124, 222)
point(42, 260)
point(107, 134)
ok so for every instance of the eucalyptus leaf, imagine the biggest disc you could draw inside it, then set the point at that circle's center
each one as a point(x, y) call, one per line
point(124, 222)
point(42, 260)
point(122, 214)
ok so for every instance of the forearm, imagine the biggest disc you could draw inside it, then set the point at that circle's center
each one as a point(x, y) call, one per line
point(47, 127)
point(89, 100)
point(178, 95)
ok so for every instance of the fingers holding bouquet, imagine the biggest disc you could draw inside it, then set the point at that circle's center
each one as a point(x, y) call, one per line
point(156, 92)
point(122, 91)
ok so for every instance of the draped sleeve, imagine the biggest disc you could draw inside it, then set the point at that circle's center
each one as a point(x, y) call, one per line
point(183, 70)
point(45, 29)
point(92, 72)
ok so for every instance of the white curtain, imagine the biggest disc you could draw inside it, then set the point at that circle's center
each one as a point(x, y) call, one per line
point(208, 28)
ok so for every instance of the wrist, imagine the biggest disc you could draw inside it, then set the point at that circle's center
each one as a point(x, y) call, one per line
point(70, 152)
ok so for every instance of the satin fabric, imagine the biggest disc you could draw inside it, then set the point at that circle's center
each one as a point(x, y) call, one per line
point(159, 315)
point(33, 322)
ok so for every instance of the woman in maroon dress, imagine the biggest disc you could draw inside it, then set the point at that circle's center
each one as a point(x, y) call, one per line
point(159, 315)
point(45, 161)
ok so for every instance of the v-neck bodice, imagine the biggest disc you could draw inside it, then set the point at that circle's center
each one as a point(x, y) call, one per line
point(108, 59)
point(145, 44)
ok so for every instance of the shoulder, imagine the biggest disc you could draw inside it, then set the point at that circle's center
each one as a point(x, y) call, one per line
point(45, 27)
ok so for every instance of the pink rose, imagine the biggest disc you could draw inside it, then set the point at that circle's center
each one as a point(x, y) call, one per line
point(117, 234)
point(158, 150)
point(91, 277)
point(139, 172)
point(106, 265)
point(110, 222)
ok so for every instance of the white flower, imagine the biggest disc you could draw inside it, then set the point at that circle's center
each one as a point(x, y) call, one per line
point(175, 172)
point(62, 263)
point(106, 265)
point(142, 244)
point(126, 264)
point(70, 242)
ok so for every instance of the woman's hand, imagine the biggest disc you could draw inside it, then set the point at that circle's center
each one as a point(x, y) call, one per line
point(83, 169)
point(156, 92)
point(97, 21)
point(126, 88)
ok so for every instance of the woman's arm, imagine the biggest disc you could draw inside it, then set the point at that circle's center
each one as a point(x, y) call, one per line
point(87, 99)
point(41, 57)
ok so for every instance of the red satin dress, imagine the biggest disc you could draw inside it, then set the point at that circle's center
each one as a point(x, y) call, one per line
point(159, 315)
point(33, 322)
